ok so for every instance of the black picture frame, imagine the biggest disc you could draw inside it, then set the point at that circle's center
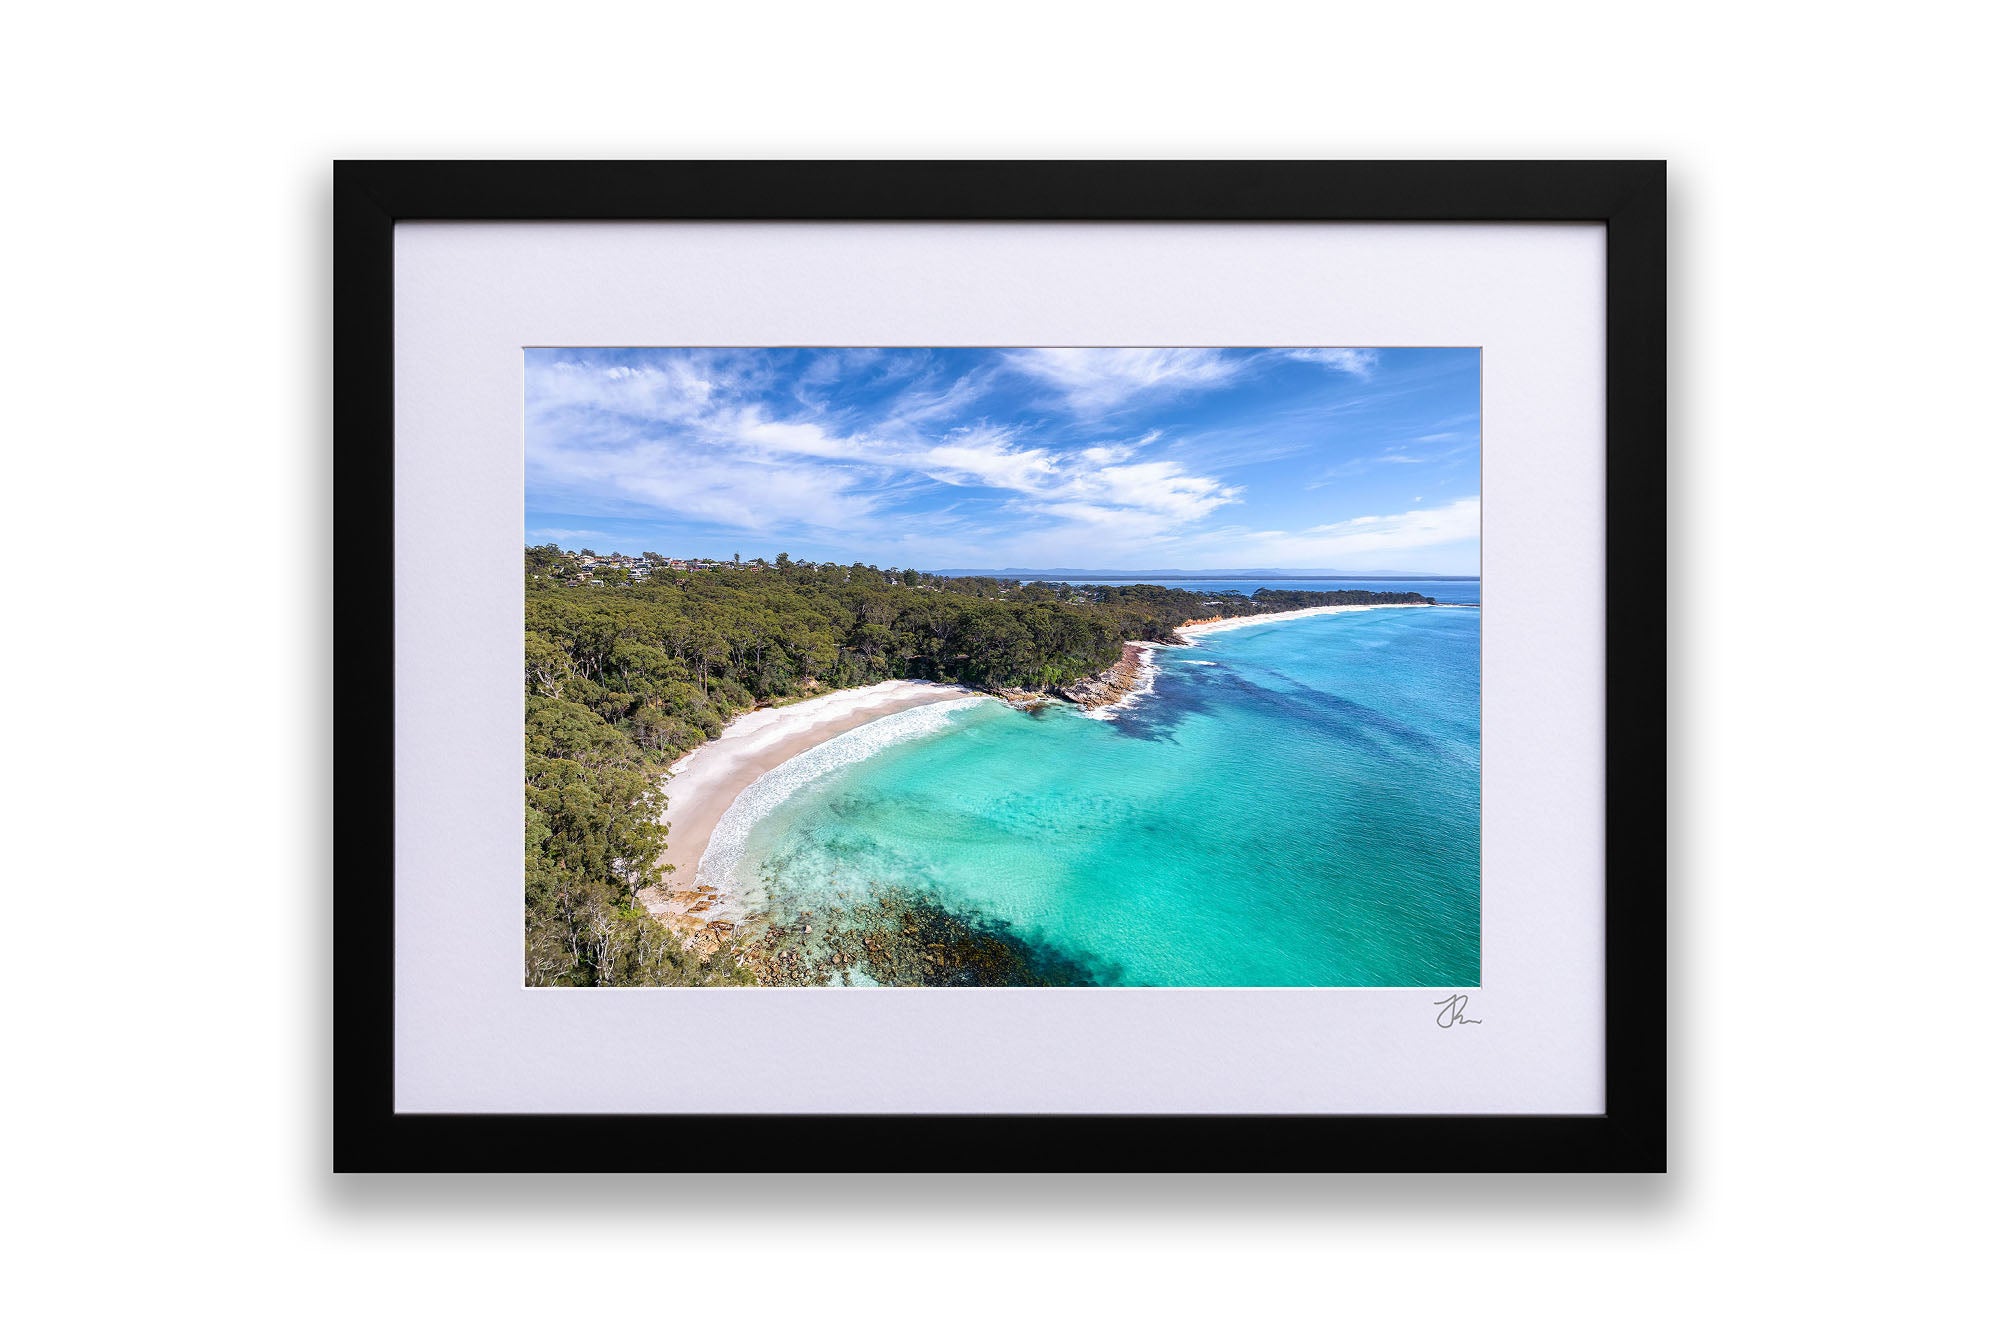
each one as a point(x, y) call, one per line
point(1627, 197)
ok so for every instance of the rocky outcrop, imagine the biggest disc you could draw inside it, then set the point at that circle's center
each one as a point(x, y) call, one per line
point(1111, 685)
point(689, 913)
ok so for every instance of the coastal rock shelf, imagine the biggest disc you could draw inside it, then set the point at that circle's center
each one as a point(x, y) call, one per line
point(691, 915)
point(1111, 686)
point(1108, 687)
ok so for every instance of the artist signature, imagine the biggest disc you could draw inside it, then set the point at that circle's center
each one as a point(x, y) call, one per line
point(1451, 1011)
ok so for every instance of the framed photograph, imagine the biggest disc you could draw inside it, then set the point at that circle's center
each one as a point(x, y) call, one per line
point(957, 660)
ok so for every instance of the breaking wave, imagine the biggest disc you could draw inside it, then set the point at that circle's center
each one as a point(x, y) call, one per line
point(732, 832)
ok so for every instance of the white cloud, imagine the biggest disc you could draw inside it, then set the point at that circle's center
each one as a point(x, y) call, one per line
point(754, 434)
point(1160, 488)
point(733, 463)
point(1094, 380)
point(1414, 530)
point(1458, 519)
point(924, 402)
point(1372, 541)
point(677, 478)
point(660, 391)
point(983, 456)
point(1357, 361)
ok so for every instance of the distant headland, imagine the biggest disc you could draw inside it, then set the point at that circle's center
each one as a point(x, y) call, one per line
point(1203, 574)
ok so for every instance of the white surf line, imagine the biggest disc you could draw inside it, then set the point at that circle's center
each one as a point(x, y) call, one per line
point(731, 835)
point(1145, 678)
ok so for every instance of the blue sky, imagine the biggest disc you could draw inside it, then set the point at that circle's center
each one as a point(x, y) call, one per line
point(943, 458)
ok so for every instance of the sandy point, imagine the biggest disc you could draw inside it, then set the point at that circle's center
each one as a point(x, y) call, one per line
point(1194, 631)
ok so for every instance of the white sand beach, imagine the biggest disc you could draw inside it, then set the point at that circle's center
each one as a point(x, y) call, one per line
point(706, 781)
point(1194, 633)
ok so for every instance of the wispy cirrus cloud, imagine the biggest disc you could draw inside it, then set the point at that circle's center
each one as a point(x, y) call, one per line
point(1357, 361)
point(1095, 380)
point(679, 439)
point(936, 398)
point(1411, 538)
point(652, 390)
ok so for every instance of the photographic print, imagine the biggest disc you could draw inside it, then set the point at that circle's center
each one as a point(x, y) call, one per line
point(1133, 666)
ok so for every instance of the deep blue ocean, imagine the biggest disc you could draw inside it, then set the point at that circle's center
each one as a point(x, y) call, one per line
point(1296, 803)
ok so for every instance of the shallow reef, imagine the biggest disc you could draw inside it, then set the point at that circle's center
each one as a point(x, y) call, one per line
point(897, 938)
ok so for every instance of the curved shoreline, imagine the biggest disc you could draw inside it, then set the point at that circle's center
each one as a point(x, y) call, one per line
point(705, 782)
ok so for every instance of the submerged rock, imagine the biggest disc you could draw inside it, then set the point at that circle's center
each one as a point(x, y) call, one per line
point(901, 939)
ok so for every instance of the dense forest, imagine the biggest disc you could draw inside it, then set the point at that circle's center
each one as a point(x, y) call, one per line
point(622, 679)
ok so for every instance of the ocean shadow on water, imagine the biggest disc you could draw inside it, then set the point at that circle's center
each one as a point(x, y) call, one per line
point(1158, 716)
point(1365, 728)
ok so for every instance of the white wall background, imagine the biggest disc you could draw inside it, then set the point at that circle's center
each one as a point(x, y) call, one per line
point(167, 336)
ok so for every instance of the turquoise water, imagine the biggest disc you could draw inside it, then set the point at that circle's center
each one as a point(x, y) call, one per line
point(1295, 804)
